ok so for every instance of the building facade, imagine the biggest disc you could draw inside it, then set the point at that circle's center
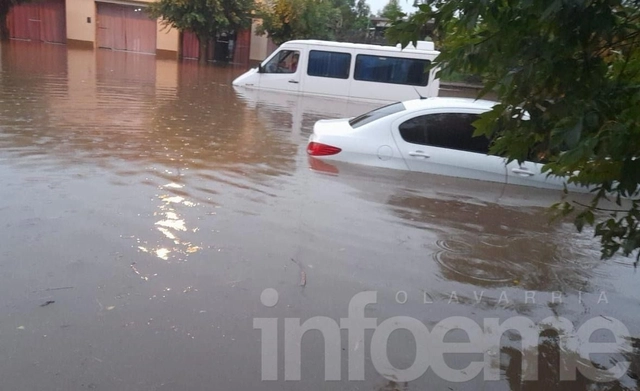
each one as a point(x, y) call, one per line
point(123, 25)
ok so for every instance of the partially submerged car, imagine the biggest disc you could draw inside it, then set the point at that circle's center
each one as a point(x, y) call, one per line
point(433, 135)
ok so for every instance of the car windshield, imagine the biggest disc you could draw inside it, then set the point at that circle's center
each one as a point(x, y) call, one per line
point(376, 114)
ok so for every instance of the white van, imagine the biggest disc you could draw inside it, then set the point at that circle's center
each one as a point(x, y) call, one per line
point(347, 70)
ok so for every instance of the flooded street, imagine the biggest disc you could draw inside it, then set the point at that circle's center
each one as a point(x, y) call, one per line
point(147, 205)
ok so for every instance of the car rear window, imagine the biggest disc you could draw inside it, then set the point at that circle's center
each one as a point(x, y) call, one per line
point(376, 114)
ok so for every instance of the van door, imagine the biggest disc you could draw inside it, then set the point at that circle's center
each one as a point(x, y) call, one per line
point(443, 143)
point(282, 72)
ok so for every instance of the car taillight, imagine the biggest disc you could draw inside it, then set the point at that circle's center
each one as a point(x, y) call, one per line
point(319, 149)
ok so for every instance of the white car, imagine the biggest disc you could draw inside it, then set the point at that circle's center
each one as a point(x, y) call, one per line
point(433, 135)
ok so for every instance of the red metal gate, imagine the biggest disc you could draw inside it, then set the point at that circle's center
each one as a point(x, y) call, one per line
point(243, 46)
point(190, 45)
point(123, 27)
point(43, 21)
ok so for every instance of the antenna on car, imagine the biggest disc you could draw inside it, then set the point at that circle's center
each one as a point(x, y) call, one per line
point(417, 92)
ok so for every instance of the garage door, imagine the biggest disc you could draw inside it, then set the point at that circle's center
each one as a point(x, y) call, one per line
point(123, 27)
point(40, 22)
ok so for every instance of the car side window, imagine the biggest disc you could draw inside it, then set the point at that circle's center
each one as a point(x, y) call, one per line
point(285, 61)
point(445, 130)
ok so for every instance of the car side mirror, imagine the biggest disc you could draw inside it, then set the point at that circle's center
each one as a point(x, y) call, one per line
point(260, 68)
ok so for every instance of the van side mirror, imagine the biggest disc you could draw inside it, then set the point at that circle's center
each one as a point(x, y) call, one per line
point(260, 68)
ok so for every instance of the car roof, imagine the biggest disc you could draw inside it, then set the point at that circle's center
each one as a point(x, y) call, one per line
point(449, 103)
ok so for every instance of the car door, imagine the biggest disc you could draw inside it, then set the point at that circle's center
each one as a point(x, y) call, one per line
point(443, 143)
point(283, 70)
point(530, 174)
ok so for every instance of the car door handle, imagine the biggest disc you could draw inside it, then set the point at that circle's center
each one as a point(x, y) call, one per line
point(421, 154)
point(293, 81)
point(522, 172)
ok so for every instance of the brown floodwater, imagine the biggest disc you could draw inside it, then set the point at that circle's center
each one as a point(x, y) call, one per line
point(146, 205)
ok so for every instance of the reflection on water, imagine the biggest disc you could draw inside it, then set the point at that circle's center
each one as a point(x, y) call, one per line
point(132, 113)
point(166, 201)
point(505, 260)
point(498, 246)
point(172, 226)
point(289, 112)
point(553, 360)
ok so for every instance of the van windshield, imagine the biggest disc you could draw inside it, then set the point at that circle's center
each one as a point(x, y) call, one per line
point(376, 114)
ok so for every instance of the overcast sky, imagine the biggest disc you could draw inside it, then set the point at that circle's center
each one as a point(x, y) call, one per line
point(376, 5)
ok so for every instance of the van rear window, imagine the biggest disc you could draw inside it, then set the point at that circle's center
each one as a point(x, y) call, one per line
point(376, 114)
point(393, 70)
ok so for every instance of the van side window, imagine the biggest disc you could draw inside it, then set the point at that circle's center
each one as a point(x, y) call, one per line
point(447, 130)
point(394, 70)
point(329, 64)
point(285, 61)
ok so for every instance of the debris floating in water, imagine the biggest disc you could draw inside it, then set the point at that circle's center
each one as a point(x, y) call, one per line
point(136, 271)
point(303, 274)
point(303, 278)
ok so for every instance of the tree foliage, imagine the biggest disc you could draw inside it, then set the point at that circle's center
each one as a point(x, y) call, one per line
point(355, 20)
point(362, 15)
point(5, 7)
point(392, 10)
point(205, 18)
point(284, 20)
point(571, 67)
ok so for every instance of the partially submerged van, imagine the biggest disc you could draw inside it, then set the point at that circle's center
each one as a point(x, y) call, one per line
point(354, 71)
